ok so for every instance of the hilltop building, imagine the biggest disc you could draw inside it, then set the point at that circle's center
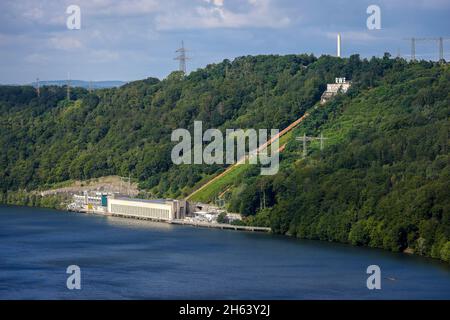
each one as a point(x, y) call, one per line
point(341, 85)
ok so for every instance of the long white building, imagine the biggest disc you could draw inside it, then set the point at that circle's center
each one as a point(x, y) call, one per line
point(161, 210)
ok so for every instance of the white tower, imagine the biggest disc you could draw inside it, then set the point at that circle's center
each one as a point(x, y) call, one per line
point(339, 45)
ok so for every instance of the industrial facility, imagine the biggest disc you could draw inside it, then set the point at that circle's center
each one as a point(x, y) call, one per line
point(94, 202)
point(159, 209)
point(162, 210)
point(114, 204)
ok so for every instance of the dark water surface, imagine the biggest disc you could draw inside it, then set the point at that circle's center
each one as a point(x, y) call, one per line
point(123, 258)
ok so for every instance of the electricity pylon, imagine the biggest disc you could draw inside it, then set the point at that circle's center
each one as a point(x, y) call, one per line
point(182, 57)
point(305, 139)
point(440, 41)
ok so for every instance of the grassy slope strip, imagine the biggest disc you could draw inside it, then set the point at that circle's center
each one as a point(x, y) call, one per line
point(213, 188)
point(383, 179)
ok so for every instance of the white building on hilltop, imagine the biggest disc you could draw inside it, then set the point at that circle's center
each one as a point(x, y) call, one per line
point(341, 85)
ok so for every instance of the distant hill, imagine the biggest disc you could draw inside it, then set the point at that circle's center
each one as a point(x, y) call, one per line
point(82, 83)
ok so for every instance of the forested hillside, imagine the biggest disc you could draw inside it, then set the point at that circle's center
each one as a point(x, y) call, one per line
point(382, 179)
point(127, 130)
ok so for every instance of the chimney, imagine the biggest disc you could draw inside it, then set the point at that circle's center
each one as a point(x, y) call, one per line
point(339, 45)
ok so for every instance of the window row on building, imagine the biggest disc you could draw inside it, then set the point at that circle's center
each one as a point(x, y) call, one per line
point(144, 212)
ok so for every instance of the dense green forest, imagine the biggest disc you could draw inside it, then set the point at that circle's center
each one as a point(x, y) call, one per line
point(382, 179)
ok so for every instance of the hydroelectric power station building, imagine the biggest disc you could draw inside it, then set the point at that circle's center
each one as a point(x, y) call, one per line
point(160, 210)
point(164, 210)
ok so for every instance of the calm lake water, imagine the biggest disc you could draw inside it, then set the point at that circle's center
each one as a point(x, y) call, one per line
point(128, 259)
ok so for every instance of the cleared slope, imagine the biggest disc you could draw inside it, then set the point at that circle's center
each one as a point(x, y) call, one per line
point(217, 185)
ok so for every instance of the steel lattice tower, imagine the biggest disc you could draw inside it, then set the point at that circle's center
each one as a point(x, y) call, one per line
point(182, 57)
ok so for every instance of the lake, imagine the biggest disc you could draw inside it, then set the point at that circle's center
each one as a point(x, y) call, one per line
point(132, 259)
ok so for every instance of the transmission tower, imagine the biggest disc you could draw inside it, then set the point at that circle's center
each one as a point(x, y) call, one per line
point(182, 57)
point(68, 87)
point(305, 139)
point(440, 41)
point(128, 184)
point(38, 89)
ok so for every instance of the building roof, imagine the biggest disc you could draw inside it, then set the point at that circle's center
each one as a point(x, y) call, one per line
point(160, 201)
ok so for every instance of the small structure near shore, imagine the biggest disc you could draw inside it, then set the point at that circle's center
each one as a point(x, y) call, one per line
point(95, 202)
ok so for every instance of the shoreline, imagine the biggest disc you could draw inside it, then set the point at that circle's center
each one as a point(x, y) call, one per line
point(279, 234)
point(223, 226)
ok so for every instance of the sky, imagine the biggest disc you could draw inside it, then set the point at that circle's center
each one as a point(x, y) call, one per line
point(135, 39)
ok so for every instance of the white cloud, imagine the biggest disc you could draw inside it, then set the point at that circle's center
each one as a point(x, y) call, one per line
point(119, 8)
point(53, 13)
point(100, 56)
point(167, 14)
point(427, 4)
point(65, 43)
point(33, 13)
point(357, 36)
point(215, 2)
point(37, 58)
point(216, 14)
point(7, 39)
point(353, 36)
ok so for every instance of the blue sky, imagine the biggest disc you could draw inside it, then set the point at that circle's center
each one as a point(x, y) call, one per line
point(135, 39)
